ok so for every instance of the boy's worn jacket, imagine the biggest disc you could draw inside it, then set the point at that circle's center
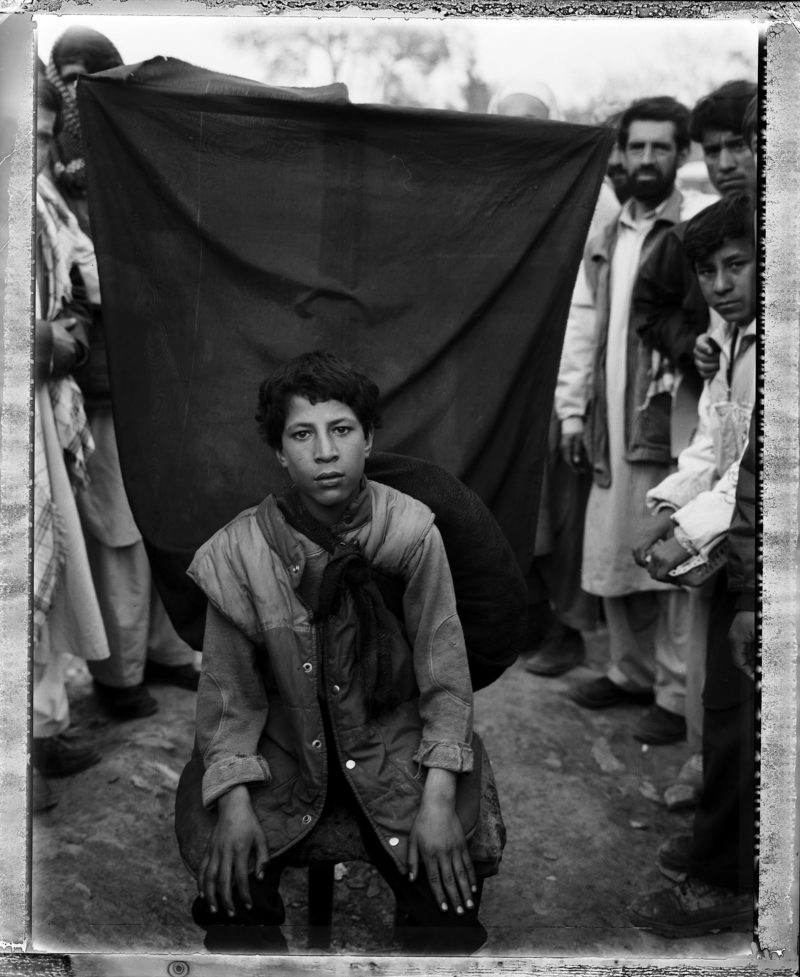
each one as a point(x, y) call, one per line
point(703, 489)
point(259, 717)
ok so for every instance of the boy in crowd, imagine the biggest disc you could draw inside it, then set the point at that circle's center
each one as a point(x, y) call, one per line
point(312, 693)
point(697, 504)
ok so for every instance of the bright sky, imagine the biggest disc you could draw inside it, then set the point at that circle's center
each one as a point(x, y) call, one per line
point(574, 56)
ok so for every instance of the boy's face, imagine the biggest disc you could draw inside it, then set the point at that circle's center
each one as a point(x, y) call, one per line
point(728, 281)
point(323, 449)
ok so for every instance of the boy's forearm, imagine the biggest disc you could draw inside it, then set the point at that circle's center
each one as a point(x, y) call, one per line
point(237, 796)
point(440, 786)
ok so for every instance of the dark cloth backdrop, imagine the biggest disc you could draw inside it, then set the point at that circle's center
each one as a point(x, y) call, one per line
point(237, 225)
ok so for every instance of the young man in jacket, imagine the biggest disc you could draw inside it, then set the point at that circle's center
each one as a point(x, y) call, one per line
point(701, 502)
point(671, 317)
point(626, 434)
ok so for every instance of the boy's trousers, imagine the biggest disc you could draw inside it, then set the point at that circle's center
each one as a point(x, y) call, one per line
point(422, 925)
point(723, 852)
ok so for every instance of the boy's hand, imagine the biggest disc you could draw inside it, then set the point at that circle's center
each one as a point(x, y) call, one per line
point(437, 838)
point(706, 356)
point(237, 836)
point(664, 557)
point(660, 526)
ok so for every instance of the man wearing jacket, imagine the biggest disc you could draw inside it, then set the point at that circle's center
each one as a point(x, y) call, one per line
point(669, 311)
point(626, 432)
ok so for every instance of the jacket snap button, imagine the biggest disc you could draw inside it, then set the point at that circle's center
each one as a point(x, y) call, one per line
point(306, 819)
point(350, 764)
point(294, 569)
point(307, 667)
point(317, 744)
point(337, 689)
point(394, 842)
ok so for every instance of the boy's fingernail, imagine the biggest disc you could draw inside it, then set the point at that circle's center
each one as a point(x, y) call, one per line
point(470, 904)
point(444, 907)
point(474, 888)
point(231, 912)
point(213, 909)
point(459, 910)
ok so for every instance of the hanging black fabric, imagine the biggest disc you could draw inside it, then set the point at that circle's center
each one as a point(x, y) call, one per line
point(238, 225)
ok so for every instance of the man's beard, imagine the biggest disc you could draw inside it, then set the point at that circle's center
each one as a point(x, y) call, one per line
point(651, 191)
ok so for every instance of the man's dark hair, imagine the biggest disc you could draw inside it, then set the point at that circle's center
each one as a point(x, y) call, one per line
point(727, 219)
point(659, 108)
point(750, 120)
point(90, 47)
point(49, 97)
point(723, 109)
point(317, 376)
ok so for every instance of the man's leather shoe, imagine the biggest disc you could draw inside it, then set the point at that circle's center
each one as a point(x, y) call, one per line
point(673, 856)
point(131, 702)
point(562, 650)
point(600, 693)
point(184, 676)
point(56, 756)
point(660, 726)
point(692, 908)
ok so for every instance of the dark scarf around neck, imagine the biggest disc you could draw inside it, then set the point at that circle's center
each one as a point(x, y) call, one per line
point(348, 571)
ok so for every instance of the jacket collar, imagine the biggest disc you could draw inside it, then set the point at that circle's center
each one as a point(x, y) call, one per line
point(722, 334)
point(283, 539)
point(667, 212)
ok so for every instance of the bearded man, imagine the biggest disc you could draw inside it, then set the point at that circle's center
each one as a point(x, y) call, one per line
point(626, 433)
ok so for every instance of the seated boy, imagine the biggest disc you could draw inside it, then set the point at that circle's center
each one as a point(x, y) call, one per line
point(696, 504)
point(313, 694)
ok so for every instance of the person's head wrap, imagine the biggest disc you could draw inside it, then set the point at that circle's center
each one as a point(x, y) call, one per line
point(532, 87)
point(96, 53)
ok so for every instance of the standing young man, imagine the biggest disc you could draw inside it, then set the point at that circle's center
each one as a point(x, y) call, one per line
point(712, 495)
point(669, 313)
point(627, 436)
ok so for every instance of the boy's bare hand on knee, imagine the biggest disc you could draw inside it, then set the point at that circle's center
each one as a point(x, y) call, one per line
point(236, 843)
point(437, 839)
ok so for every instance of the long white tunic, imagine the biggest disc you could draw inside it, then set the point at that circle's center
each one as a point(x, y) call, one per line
point(615, 515)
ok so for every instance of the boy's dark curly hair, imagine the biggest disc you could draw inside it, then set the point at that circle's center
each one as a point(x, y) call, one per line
point(317, 376)
point(727, 219)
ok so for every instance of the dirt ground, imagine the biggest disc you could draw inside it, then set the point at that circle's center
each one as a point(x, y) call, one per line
point(581, 799)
